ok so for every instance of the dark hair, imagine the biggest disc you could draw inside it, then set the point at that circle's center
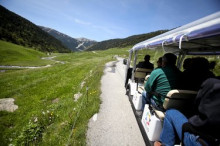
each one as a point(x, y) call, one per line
point(159, 60)
point(187, 63)
point(169, 58)
point(212, 64)
point(200, 63)
point(147, 57)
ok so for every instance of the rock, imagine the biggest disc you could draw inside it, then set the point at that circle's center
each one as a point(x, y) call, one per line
point(7, 104)
point(55, 100)
point(77, 96)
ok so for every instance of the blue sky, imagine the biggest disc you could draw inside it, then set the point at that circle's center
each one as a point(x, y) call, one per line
point(108, 19)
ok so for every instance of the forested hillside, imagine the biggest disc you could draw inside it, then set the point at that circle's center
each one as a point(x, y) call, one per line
point(132, 40)
point(18, 30)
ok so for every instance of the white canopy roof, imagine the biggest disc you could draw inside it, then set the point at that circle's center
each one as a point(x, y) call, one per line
point(198, 37)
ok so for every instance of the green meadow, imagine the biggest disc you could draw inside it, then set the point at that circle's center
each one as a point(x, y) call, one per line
point(48, 112)
point(16, 55)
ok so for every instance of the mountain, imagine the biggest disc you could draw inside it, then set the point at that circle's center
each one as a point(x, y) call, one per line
point(132, 40)
point(73, 44)
point(18, 30)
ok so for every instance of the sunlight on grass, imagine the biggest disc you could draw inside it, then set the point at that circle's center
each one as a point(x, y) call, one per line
point(11, 54)
point(47, 111)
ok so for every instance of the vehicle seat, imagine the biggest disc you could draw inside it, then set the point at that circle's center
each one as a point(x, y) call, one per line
point(181, 100)
point(141, 87)
point(140, 73)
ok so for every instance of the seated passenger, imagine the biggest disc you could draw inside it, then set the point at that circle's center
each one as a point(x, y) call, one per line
point(159, 63)
point(203, 127)
point(146, 63)
point(187, 64)
point(161, 81)
point(195, 74)
point(212, 65)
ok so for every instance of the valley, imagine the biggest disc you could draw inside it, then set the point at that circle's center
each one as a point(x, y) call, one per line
point(53, 81)
point(47, 108)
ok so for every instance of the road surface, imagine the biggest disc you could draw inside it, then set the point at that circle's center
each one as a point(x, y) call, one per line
point(115, 124)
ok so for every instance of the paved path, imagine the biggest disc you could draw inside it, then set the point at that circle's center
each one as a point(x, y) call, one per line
point(115, 124)
point(32, 67)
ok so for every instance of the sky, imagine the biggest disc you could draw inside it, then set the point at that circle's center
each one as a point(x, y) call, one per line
point(109, 19)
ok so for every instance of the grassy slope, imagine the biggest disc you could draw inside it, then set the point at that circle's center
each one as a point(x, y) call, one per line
point(11, 54)
point(35, 91)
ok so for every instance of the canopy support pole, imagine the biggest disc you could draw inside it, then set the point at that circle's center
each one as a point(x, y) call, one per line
point(134, 64)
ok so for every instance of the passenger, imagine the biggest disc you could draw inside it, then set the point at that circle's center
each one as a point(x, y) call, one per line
point(159, 62)
point(187, 64)
point(200, 129)
point(146, 63)
point(212, 65)
point(195, 74)
point(161, 81)
point(159, 65)
point(186, 74)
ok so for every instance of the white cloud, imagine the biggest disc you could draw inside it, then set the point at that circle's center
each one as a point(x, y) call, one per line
point(81, 22)
point(99, 27)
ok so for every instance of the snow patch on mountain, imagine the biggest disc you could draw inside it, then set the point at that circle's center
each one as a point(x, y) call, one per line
point(81, 44)
point(74, 44)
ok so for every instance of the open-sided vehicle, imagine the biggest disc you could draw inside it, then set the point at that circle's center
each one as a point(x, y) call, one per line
point(201, 37)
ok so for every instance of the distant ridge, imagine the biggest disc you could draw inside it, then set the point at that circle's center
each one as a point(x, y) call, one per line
point(74, 44)
point(132, 40)
point(18, 30)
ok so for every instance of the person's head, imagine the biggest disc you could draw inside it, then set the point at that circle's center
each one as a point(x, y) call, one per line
point(212, 65)
point(159, 62)
point(187, 63)
point(147, 58)
point(169, 59)
point(200, 64)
